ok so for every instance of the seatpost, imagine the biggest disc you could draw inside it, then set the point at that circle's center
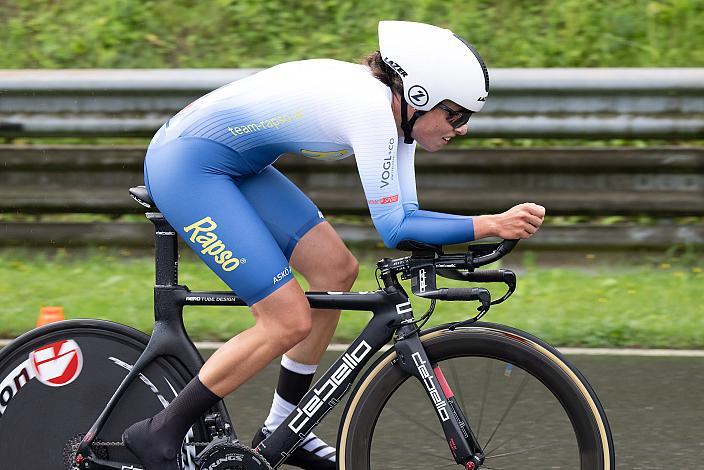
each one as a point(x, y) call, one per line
point(165, 250)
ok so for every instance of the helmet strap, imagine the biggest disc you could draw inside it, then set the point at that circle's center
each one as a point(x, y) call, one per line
point(407, 125)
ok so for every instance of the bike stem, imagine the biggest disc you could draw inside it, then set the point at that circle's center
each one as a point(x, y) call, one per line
point(413, 359)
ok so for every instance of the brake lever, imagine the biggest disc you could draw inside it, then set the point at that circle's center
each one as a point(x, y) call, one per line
point(510, 282)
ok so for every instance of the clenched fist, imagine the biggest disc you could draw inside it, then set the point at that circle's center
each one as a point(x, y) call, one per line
point(520, 221)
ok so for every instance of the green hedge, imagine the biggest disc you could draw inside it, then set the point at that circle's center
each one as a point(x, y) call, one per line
point(254, 33)
point(653, 303)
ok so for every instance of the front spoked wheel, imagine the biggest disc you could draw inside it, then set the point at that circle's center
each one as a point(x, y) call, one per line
point(527, 405)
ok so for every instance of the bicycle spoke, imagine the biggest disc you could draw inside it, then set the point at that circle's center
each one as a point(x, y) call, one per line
point(416, 421)
point(457, 383)
point(453, 464)
point(484, 397)
point(530, 449)
point(514, 400)
point(441, 457)
point(535, 423)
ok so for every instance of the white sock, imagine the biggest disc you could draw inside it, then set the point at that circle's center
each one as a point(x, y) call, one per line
point(281, 408)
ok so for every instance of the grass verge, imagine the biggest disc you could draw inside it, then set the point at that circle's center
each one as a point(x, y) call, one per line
point(647, 305)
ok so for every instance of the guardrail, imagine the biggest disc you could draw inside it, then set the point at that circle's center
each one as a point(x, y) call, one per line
point(540, 103)
point(585, 103)
point(659, 182)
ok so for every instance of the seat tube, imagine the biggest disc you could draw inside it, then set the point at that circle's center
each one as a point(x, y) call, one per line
point(413, 360)
point(165, 250)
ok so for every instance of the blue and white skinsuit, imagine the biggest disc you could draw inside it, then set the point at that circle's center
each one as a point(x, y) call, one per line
point(209, 169)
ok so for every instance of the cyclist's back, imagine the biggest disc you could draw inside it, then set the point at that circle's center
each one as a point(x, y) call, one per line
point(314, 108)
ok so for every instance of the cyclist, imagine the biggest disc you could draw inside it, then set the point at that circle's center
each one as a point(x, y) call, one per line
point(209, 170)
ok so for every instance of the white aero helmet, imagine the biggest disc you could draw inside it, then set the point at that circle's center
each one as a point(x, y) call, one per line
point(434, 65)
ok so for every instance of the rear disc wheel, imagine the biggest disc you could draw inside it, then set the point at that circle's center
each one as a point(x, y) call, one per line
point(56, 380)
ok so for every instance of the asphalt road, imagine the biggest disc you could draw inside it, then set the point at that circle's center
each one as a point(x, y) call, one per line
point(654, 406)
point(653, 403)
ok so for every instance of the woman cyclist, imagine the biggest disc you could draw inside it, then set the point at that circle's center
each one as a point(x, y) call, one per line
point(209, 170)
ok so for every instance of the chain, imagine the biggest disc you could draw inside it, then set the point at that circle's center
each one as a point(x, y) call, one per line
point(121, 444)
point(74, 447)
point(69, 459)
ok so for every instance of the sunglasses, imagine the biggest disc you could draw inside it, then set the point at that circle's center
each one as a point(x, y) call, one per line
point(455, 118)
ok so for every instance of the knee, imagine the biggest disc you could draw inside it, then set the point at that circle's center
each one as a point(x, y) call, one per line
point(298, 328)
point(352, 270)
point(340, 273)
point(290, 327)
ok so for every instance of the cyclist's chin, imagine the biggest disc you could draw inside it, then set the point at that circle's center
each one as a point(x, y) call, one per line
point(430, 145)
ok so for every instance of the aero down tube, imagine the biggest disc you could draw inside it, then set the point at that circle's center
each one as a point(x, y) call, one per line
point(414, 360)
point(328, 391)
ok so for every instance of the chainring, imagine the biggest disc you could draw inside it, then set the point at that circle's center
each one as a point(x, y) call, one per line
point(231, 456)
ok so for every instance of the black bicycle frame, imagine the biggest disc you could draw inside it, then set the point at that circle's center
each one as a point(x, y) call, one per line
point(392, 314)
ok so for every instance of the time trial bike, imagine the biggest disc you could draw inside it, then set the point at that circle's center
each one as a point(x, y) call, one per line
point(468, 394)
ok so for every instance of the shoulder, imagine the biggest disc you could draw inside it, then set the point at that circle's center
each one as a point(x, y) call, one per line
point(344, 80)
point(345, 96)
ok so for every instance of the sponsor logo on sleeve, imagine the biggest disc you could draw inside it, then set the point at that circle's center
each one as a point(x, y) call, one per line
point(387, 166)
point(384, 200)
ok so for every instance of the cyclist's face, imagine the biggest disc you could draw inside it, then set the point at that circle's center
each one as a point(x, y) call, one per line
point(434, 129)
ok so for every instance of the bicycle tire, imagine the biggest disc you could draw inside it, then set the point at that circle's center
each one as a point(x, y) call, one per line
point(49, 396)
point(559, 384)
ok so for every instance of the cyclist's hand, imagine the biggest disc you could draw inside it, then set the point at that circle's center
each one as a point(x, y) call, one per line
point(520, 221)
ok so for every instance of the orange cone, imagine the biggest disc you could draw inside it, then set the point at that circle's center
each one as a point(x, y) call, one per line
point(49, 315)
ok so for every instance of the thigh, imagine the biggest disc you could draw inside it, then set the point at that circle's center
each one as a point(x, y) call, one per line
point(323, 259)
point(204, 205)
point(287, 212)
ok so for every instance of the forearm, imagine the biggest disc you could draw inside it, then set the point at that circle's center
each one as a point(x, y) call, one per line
point(425, 226)
point(485, 226)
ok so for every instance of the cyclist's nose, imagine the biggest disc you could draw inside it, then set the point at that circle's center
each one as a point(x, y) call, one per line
point(462, 130)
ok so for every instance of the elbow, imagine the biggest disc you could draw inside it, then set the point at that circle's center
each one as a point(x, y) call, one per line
point(390, 229)
point(390, 236)
point(389, 241)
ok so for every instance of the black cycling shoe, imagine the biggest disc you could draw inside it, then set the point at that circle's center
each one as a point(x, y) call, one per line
point(153, 455)
point(301, 458)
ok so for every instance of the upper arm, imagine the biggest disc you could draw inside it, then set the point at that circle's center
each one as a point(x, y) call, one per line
point(378, 171)
point(407, 176)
